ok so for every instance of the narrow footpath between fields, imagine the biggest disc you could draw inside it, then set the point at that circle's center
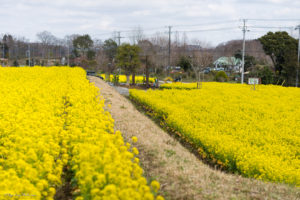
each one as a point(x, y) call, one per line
point(180, 173)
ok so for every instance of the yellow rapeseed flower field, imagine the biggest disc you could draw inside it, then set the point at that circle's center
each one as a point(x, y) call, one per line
point(253, 132)
point(179, 85)
point(122, 78)
point(51, 118)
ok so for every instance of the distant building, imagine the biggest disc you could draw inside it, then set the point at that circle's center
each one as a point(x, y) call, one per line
point(228, 64)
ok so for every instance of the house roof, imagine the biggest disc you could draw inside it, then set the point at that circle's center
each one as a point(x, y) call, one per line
point(228, 61)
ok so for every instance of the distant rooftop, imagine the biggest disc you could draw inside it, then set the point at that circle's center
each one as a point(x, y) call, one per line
point(228, 61)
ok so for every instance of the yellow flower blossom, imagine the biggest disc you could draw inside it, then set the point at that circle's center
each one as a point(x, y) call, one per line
point(155, 186)
point(135, 151)
point(123, 79)
point(52, 117)
point(134, 139)
point(254, 132)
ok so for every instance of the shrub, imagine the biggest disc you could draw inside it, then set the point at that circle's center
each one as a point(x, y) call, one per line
point(221, 77)
point(16, 64)
point(264, 72)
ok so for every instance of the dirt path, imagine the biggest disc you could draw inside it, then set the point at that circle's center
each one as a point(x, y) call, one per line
point(180, 173)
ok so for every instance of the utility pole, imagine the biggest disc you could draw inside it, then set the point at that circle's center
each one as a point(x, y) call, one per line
point(169, 59)
point(243, 55)
point(119, 38)
point(3, 53)
point(68, 54)
point(16, 51)
point(297, 70)
point(28, 52)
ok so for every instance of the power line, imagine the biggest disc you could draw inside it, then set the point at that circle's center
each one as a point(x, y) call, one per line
point(272, 27)
point(208, 23)
point(161, 27)
point(107, 33)
point(212, 23)
point(151, 29)
point(200, 24)
point(273, 20)
point(130, 29)
point(207, 27)
point(208, 30)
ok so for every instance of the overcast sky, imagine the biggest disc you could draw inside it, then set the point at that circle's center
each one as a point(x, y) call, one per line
point(99, 18)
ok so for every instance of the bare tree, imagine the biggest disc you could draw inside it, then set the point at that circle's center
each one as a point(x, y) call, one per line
point(176, 39)
point(200, 60)
point(136, 35)
point(147, 55)
point(46, 38)
point(68, 43)
point(8, 40)
point(21, 47)
point(200, 44)
point(160, 43)
point(185, 39)
point(103, 62)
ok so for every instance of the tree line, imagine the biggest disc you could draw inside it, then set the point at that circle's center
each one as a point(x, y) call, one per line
point(272, 57)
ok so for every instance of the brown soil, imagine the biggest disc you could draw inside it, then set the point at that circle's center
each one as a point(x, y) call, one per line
point(181, 174)
point(65, 191)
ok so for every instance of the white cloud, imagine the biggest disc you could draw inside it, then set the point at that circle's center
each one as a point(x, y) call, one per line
point(278, 1)
point(61, 17)
point(141, 13)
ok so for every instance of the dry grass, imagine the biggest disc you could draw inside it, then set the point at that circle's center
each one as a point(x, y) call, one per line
point(181, 174)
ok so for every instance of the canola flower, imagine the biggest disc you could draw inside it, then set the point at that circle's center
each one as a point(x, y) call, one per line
point(31, 159)
point(179, 85)
point(123, 79)
point(253, 132)
point(155, 185)
point(53, 118)
point(134, 139)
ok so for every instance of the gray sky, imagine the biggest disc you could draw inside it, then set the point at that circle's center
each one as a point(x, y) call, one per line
point(99, 18)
